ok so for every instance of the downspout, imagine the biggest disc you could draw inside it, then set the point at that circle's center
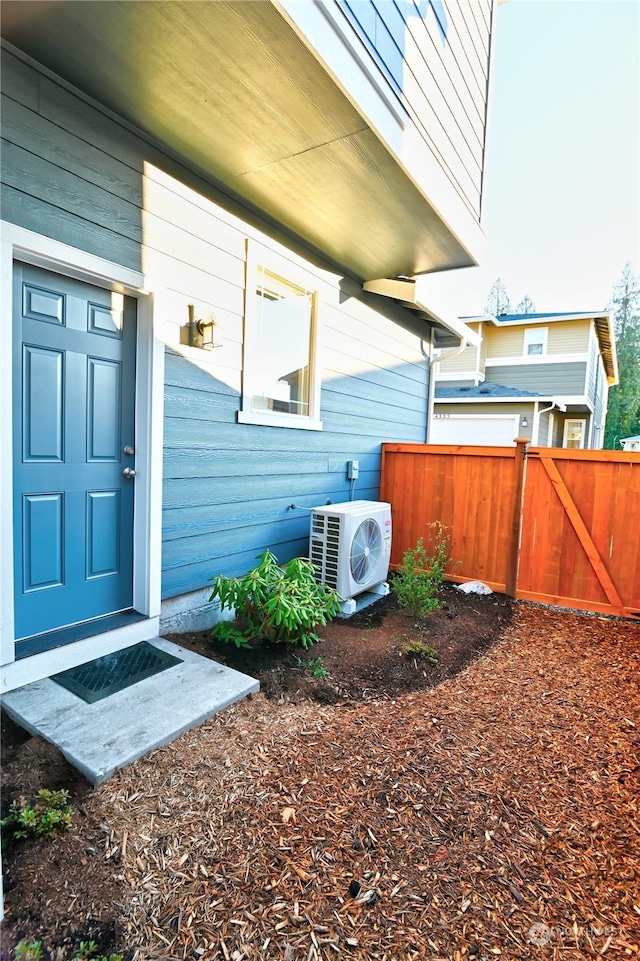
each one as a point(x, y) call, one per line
point(537, 414)
point(431, 391)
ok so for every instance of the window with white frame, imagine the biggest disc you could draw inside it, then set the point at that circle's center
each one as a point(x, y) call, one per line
point(281, 380)
point(574, 433)
point(535, 341)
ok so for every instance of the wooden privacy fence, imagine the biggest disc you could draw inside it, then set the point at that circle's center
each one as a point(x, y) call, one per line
point(538, 523)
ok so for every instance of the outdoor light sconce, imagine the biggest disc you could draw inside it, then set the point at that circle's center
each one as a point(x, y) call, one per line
point(201, 331)
point(525, 422)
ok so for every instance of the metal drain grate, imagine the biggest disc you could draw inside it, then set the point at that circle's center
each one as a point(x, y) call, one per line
point(115, 672)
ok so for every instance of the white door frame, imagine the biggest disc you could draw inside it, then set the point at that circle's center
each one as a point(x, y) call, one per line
point(565, 432)
point(32, 248)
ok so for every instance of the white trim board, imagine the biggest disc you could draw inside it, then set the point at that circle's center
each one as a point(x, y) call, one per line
point(477, 376)
point(30, 247)
point(492, 400)
point(534, 360)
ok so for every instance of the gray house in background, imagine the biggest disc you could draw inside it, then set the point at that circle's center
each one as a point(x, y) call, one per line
point(541, 376)
point(206, 207)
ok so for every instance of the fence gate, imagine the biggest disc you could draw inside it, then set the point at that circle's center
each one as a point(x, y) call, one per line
point(579, 543)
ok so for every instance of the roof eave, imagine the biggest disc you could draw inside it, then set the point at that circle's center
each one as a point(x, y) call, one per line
point(404, 291)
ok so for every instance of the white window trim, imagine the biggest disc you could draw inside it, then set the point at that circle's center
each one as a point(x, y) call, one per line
point(18, 243)
point(260, 256)
point(535, 335)
point(574, 420)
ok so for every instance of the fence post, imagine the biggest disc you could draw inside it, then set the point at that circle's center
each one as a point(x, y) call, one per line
point(516, 519)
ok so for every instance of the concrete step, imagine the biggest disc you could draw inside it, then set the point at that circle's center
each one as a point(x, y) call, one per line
point(100, 738)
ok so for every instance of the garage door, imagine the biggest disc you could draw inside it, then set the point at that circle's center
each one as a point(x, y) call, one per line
point(491, 430)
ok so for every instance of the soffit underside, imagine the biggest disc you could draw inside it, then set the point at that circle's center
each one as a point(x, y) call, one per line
point(271, 127)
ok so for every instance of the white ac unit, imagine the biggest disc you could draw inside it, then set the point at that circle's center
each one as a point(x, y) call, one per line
point(351, 545)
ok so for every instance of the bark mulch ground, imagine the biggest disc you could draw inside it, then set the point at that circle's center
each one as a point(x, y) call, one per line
point(493, 815)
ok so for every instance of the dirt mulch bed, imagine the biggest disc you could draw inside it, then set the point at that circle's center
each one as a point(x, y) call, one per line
point(493, 815)
point(363, 657)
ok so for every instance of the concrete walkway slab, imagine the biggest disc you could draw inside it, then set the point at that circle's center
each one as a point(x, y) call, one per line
point(99, 738)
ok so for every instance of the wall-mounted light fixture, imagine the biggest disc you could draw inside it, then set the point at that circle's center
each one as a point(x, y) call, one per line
point(201, 331)
point(524, 422)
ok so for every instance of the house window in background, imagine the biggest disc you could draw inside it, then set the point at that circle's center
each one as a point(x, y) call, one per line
point(281, 383)
point(535, 341)
point(574, 431)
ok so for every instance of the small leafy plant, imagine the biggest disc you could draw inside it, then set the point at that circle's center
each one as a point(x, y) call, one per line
point(87, 952)
point(423, 652)
point(28, 951)
point(33, 951)
point(49, 813)
point(422, 571)
point(279, 604)
point(317, 668)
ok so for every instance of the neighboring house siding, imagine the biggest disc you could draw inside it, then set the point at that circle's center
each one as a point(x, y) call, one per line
point(569, 337)
point(558, 431)
point(460, 364)
point(77, 176)
point(553, 379)
point(564, 337)
point(459, 383)
point(483, 349)
point(594, 373)
point(543, 431)
point(503, 342)
point(598, 389)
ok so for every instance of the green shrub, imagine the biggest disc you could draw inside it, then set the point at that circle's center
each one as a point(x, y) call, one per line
point(421, 573)
point(280, 604)
point(50, 812)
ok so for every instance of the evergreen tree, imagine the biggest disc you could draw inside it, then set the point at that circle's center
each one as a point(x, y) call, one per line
point(526, 306)
point(498, 301)
point(623, 415)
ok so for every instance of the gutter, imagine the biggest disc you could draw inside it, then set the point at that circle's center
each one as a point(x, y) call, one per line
point(431, 391)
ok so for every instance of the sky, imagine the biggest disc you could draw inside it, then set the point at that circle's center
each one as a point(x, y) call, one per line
point(561, 205)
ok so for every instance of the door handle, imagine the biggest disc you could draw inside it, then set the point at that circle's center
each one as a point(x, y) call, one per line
point(129, 473)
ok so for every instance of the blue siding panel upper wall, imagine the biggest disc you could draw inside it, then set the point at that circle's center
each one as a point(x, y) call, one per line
point(76, 175)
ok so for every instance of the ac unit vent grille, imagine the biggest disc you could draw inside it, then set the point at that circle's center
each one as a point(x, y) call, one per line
point(325, 541)
point(350, 545)
point(332, 552)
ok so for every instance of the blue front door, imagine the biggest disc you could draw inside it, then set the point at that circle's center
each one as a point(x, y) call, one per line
point(73, 401)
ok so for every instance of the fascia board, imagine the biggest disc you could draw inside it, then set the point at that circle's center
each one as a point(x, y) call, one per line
point(405, 292)
point(492, 400)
